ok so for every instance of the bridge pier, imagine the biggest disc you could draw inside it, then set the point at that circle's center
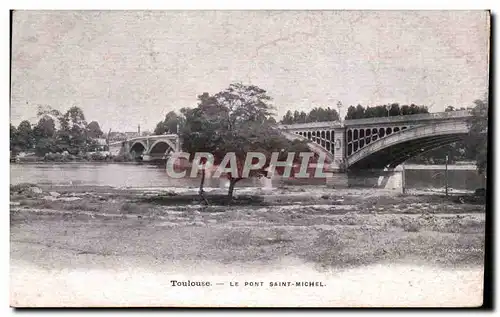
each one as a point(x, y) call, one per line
point(340, 153)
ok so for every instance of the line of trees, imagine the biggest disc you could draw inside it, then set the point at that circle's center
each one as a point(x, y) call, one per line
point(317, 114)
point(55, 133)
point(389, 110)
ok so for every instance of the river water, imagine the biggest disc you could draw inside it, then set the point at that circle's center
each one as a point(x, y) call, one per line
point(145, 175)
point(112, 174)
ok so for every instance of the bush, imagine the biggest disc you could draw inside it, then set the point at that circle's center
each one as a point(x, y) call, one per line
point(97, 157)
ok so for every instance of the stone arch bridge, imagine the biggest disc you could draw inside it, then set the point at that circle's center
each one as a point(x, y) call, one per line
point(153, 147)
point(378, 143)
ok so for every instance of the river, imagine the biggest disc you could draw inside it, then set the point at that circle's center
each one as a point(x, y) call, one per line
point(104, 174)
point(146, 176)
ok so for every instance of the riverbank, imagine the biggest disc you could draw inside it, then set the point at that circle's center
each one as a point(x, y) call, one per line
point(125, 236)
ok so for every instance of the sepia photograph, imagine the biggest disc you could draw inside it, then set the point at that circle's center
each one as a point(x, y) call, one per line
point(249, 158)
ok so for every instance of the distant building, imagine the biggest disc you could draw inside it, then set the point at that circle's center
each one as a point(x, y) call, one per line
point(131, 135)
point(122, 136)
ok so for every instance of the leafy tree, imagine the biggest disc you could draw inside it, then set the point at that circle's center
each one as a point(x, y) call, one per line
point(46, 145)
point(318, 114)
point(44, 133)
point(479, 130)
point(72, 136)
point(236, 120)
point(94, 130)
point(15, 146)
point(25, 136)
point(45, 128)
point(357, 112)
point(288, 118)
point(170, 125)
point(199, 134)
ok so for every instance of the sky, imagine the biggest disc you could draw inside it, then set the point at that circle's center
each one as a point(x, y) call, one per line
point(129, 68)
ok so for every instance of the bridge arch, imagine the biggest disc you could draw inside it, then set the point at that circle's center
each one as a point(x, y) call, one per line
point(313, 145)
point(396, 148)
point(324, 138)
point(137, 148)
point(160, 147)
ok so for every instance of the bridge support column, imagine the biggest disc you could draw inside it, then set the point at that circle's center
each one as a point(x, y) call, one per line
point(125, 149)
point(340, 152)
point(339, 178)
point(178, 145)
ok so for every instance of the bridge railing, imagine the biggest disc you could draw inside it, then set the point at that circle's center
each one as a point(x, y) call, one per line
point(150, 137)
point(411, 117)
point(161, 136)
point(309, 125)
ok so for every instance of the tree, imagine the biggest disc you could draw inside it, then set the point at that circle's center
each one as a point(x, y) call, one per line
point(357, 112)
point(288, 118)
point(94, 130)
point(319, 114)
point(45, 128)
point(44, 133)
point(170, 124)
point(73, 136)
point(199, 134)
point(237, 120)
point(25, 136)
point(14, 140)
point(479, 130)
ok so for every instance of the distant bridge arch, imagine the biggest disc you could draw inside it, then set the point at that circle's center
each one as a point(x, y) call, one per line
point(148, 147)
